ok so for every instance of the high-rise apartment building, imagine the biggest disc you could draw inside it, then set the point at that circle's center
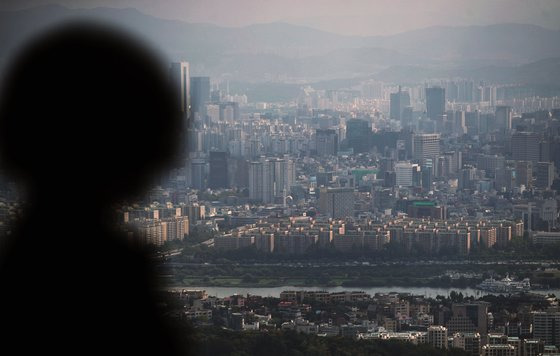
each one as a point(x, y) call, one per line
point(270, 179)
point(218, 177)
point(279, 179)
point(256, 180)
point(503, 118)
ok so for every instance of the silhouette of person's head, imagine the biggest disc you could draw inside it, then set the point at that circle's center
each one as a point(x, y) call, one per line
point(87, 113)
point(87, 118)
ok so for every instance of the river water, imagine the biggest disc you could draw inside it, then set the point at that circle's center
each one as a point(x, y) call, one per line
point(222, 292)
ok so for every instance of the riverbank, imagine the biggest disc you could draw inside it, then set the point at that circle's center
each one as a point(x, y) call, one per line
point(251, 282)
point(222, 292)
point(434, 275)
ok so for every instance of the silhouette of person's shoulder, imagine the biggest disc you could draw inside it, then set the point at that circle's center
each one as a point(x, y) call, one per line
point(87, 119)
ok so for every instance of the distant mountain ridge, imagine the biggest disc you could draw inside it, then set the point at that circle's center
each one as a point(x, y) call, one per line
point(284, 52)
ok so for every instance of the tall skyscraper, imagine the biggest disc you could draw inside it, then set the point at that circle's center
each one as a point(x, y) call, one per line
point(425, 146)
point(545, 175)
point(399, 101)
point(218, 170)
point(406, 117)
point(435, 102)
point(472, 122)
point(503, 117)
point(525, 147)
point(459, 124)
point(180, 77)
point(256, 180)
point(200, 96)
point(524, 173)
point(198, 174)
point(358, 134)
point(195, 141)
point(326, 142)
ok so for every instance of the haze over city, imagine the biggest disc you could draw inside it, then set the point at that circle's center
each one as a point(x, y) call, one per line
point(354, 17)
point(353, 177)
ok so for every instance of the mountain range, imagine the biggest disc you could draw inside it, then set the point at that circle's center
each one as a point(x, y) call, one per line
point(289, 53)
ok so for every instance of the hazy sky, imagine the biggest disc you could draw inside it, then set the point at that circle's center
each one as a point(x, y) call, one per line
point(357, 17)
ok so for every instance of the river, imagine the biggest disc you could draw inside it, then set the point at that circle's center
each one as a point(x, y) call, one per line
point(222, 292)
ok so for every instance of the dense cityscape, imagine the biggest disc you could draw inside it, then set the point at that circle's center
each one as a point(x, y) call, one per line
point(307, 173)
point(519, 325)
point(453, 169)
point(324, 214)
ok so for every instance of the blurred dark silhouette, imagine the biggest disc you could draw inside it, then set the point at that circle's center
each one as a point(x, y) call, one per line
point(87, 119)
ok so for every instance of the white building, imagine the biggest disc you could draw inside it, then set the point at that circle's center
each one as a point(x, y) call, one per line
point(403, 174)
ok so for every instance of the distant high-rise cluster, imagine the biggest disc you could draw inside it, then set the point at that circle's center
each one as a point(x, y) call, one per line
point(433, 150)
